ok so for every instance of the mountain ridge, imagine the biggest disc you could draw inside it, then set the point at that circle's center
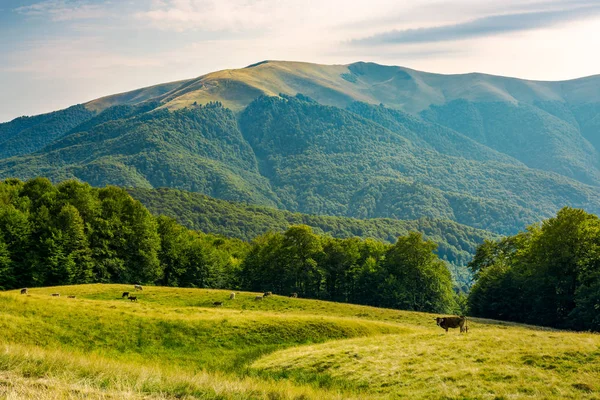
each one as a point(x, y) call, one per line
point(330, 76)
point(359, 140)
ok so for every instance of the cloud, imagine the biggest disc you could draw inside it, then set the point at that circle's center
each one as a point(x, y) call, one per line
point(63, 10)
point(210, 15)
point(480, 27)
point(76, 58)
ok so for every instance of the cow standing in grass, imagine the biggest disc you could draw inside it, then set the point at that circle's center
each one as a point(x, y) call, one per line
point(132, 298)
point(24, 291)
point(294, 295)
point(125, 294)
point(453, 322)
point(232, 296)
point(138, 287)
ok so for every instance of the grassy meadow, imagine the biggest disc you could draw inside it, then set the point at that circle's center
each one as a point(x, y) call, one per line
point(173, 343)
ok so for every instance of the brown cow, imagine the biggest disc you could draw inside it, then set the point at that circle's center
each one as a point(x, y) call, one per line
point(24, 291)
point(55, 294)
point(125, 294)
point(71, 297)
point(267, 294)
point(132, 298)
point(232, 296)
point(217, 303)
point(453, 322)
point(294, 295)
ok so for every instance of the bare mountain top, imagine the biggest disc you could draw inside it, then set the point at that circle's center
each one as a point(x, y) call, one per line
point(339, 85)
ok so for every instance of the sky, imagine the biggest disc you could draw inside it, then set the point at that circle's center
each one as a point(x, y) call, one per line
point(57, 53)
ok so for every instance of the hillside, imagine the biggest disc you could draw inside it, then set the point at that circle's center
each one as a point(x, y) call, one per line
point(557, 113)
point(359, 140)
point(339, 85)
point(199, 150)
point(457, 243)
point(173, 343)
point(71, 233)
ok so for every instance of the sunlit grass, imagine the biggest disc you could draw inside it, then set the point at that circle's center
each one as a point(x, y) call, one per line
point(488, 362)
point(173, 343)
point(32, 372)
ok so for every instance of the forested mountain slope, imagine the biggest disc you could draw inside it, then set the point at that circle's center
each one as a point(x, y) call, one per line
point(199, 150)
point(456, 243)
point(361, 140)
point(28, 134)
point(339, 163)
point(546, 125)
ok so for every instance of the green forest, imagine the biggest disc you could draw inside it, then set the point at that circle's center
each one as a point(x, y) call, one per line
point(290, 152)
point(72, 233)
point(547, 275)
point(456, 243)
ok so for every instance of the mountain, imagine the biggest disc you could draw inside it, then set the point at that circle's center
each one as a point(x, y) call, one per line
point(28, 134)
point(360, 140)
point(552, 118)
point(339, 85)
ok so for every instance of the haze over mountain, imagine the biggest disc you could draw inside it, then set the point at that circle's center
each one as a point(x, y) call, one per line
point(360, 140)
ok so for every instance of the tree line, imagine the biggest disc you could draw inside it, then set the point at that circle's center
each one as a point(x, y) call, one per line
point(547, 275)
point(72, 233)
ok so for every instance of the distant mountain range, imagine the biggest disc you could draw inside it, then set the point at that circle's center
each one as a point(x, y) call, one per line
point(360, 140)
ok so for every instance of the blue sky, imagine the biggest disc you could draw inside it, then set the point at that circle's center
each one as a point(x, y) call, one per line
point(56, 53)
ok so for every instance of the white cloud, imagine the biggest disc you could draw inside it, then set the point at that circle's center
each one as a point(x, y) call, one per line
point(274, 16)
point(491, 25)
point(210, 15)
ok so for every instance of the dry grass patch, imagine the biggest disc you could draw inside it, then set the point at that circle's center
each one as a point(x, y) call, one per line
point(490, 362)
point(32, 372)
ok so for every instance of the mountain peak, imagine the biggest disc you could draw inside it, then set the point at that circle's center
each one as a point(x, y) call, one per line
point(340, 85)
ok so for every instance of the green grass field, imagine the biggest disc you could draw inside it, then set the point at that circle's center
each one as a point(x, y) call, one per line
point(173, 343)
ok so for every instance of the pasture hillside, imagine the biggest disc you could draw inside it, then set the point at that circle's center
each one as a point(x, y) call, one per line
point(174, 343)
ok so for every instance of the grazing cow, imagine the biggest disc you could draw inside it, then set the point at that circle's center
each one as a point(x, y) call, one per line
point(267, 294)
point(294, 295)
point(257, 298)
point(217, 303)
point(24, 291)
point(132, 298)
point(453, 322)
point(138, 287)
point(125, 294)
point(71, 297)
point(55, 294)
point(232, 296)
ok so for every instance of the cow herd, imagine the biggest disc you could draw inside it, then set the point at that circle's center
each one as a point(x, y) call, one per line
point(26, 291)
point(128, 296)
point(443, 322)
point(125, 294)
